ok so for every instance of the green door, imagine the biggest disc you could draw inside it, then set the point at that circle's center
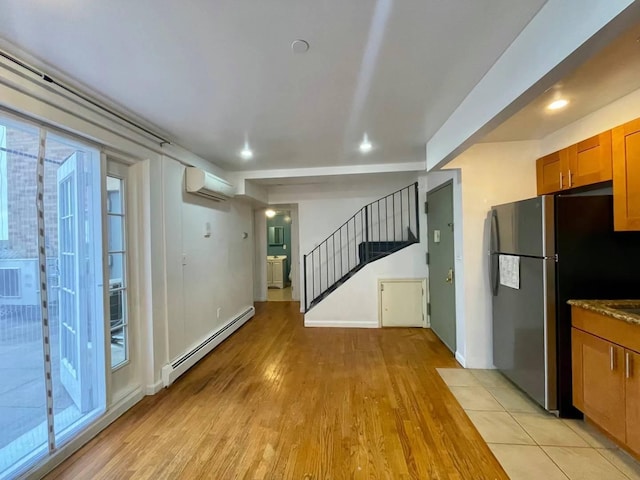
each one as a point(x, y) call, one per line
point(441, 261)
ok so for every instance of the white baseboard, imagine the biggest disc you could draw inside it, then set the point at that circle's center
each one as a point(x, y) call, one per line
point(460, 359)
point(192, 356)
point(64, 452)
point(340, 324)
point(153, 388)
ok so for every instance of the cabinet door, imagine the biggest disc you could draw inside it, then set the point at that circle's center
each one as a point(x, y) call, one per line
point(590, 161)
point(632, 374)
point(600, 368)
point(626, 176)
point(269, 273)
point(551, 172)
point(277, 272)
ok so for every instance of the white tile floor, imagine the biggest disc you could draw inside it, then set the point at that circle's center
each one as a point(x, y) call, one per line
point(530, 443)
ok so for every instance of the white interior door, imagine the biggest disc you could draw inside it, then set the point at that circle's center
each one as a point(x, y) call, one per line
point(402, 303)
point(73, 263)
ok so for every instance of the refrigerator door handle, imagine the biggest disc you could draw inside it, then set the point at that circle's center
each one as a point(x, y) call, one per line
point(495, 237)
point(493, 255)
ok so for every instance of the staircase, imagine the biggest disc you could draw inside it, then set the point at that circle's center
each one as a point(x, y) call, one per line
point(378, 229)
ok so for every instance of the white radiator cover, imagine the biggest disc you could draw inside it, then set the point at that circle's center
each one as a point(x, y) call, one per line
point(176, 368)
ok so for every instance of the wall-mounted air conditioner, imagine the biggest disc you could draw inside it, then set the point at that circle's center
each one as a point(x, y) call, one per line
point(208, 185)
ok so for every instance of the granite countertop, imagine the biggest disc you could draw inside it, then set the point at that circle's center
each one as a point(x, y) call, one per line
point(625, 310)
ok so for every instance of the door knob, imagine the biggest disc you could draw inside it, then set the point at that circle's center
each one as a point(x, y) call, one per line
point(449, 278)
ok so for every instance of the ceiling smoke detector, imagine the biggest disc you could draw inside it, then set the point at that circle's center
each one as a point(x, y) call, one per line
point(299, 46)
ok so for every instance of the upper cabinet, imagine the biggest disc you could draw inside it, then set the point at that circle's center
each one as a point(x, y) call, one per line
point(611, 155)
point(590, 161)
point(626, 176)
point(584, 163)
point(551, 172)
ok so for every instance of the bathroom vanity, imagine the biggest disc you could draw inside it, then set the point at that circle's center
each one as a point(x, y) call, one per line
point(276, 268)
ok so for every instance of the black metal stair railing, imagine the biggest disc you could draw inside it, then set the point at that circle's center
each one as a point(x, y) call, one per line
point(376, 230)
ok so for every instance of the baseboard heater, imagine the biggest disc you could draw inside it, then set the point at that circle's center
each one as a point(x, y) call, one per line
point(178, 367)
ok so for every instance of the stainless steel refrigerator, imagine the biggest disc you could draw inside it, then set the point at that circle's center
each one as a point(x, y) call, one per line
point(559, 248)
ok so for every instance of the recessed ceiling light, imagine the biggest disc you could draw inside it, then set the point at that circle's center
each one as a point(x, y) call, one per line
point(246, 153)
point(299, 46)
point(365, 146)
point(270, 213)
point(558, 104)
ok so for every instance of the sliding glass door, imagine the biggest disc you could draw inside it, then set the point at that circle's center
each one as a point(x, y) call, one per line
point(52, 335)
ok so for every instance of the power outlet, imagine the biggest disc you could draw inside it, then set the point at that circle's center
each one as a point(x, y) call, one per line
point(218, 312)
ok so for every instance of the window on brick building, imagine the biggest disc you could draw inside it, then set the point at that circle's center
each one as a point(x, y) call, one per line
point(4, 197)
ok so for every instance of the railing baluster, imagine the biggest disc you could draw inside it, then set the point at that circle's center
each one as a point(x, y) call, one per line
point(341, 261)
point(401, 219)
point(306, 293)
point(326, 244)
point(394, 216)
point(355, 242)
point(415, 188)
point(379, 237)
point(313, 274)
point(333, 241)
point(348, 250)
point(386, 221)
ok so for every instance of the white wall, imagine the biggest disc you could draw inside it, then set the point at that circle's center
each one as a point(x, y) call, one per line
point(435, 179)
point(491, 174)
point(323, 207)
point(217, 272)
point(355, 303)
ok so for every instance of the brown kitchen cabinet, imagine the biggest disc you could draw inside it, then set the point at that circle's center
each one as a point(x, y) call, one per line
point(626, 176)
point(632, 375)
point(586, 163)
point(599, 382)
point(590, 161)
point(551, 172)
point(606, 374)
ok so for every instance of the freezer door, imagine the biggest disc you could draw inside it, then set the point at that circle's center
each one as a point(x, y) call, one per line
point(524, 342)
point(523, 228)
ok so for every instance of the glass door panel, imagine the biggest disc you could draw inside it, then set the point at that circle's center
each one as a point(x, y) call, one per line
point(23, 401)
point(116, 251)
point(74, 250)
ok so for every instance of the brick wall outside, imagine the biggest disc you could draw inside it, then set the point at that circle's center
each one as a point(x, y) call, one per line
point(21, 183)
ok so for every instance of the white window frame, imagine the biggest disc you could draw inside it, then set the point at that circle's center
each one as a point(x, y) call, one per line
point(123, 289)
point(4, 194)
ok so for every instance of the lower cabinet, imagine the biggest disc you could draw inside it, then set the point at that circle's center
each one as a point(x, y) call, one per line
point(606, 375)
point(275, 272)
point(632, 410)
point(598, 381)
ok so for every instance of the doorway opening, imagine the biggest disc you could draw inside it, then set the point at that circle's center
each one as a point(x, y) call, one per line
point(278, 255)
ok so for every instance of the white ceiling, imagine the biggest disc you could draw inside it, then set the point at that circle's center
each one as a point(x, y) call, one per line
point(609, 75)
point(209, 73)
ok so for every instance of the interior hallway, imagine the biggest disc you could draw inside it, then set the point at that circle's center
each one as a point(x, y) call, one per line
point(279, 294)
point(278, 401)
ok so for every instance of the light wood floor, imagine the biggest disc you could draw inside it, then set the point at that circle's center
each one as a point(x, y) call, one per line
point(278, 401)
